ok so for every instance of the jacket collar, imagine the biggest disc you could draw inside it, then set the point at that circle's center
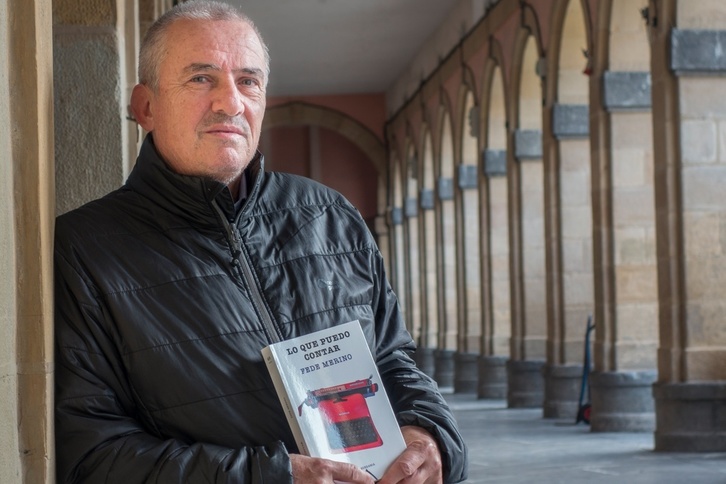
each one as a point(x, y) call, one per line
point(189, 197)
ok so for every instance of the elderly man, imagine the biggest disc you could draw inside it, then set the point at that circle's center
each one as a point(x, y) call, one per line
point(167, 289)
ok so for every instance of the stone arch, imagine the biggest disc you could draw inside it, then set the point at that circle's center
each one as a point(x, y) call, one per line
point(497, 112)
point(531, 22)
point(571, 48)
point(625, 38)
point(300, 113)
point(500, 63)
point(468, 85)
point(528, 97)
point(445, 160)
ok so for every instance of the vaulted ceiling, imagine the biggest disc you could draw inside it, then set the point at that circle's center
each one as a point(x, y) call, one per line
point(322, 47)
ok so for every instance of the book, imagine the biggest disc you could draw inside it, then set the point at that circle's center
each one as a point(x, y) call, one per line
point(332, 395)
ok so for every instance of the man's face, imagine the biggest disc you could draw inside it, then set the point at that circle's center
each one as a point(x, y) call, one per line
point(207, 114)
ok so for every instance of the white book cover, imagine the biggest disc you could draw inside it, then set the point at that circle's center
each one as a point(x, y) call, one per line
point(333, 397)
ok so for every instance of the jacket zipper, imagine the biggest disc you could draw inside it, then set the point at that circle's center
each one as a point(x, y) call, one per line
point(243, 265)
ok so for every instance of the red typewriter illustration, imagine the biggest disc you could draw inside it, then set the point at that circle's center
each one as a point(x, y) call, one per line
point(347, 419)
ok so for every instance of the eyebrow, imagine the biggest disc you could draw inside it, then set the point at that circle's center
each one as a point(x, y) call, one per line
point(201, 67)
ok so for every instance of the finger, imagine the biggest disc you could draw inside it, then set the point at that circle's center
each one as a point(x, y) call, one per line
point(405, 466)
point(349, 473)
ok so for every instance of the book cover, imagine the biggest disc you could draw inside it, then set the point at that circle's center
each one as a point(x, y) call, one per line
point(333, 397)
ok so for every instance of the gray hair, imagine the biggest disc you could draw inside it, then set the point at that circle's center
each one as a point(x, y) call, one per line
point(152, 49)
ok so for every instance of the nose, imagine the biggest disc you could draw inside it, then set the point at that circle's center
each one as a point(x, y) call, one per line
point(227, 98)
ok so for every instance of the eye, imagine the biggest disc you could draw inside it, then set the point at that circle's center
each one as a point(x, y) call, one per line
point(199, 79)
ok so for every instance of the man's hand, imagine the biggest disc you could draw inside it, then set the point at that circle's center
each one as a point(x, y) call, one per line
point(420, 463)
point(313, 470)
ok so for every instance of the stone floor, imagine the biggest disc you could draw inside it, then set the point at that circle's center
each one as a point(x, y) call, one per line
point(519, 446)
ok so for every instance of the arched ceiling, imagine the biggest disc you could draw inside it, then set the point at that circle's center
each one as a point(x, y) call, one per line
point(323, 47)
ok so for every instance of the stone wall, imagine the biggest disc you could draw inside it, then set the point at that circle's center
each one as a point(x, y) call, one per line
point(91, 88)
point(10, 463)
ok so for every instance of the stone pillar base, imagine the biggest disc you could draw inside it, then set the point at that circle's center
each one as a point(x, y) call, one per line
point(622, 401)
point(562, 391)
point(424, 358)
point(444, 368)
point(525, 384)
point(492, 381)
point(690, 417)
point(465, 372)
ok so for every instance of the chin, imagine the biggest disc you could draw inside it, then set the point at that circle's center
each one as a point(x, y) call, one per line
point(229, 172)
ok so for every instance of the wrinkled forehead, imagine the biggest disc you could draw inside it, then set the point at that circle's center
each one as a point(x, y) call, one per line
point(233, 43)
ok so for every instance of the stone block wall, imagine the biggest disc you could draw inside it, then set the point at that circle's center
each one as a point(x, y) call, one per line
point(90, 83)
point(703, 156)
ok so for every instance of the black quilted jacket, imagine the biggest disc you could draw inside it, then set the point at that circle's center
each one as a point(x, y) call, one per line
point(164, 299)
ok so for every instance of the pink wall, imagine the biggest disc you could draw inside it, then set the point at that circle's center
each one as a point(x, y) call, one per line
point(347, 169)
point(342, 165)
point(368, 109)
point(286, 149)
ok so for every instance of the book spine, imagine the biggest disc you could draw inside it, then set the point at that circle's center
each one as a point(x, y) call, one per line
point(269, 356)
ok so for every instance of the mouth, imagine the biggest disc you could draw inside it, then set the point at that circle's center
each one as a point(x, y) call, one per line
point(225, 131)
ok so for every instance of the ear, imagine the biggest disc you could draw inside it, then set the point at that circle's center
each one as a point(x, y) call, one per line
point(141, 98)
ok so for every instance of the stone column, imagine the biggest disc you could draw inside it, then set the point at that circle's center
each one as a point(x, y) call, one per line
point(529, 331)
point(93, 138)
point(492, 377)
point(150, 10)
point(413, 258)
point(526, 388)
point(622, 401)
point(526, 195)
point(466, 372)
point(26, 240)
point(626, 311)
point(495, 170)
point(570, 236)
point(496, 338)
point(689, 125)
point(10, 460)
point(394, 219)
point(469, 333)
point(444, 367)
point(568, 209)
point(444, 354)
point(398, 278)
point(427, 226)
point(383, 239)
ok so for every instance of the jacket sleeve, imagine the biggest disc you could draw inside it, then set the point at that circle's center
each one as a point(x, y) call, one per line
point(414, 395)
point(99, 438)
